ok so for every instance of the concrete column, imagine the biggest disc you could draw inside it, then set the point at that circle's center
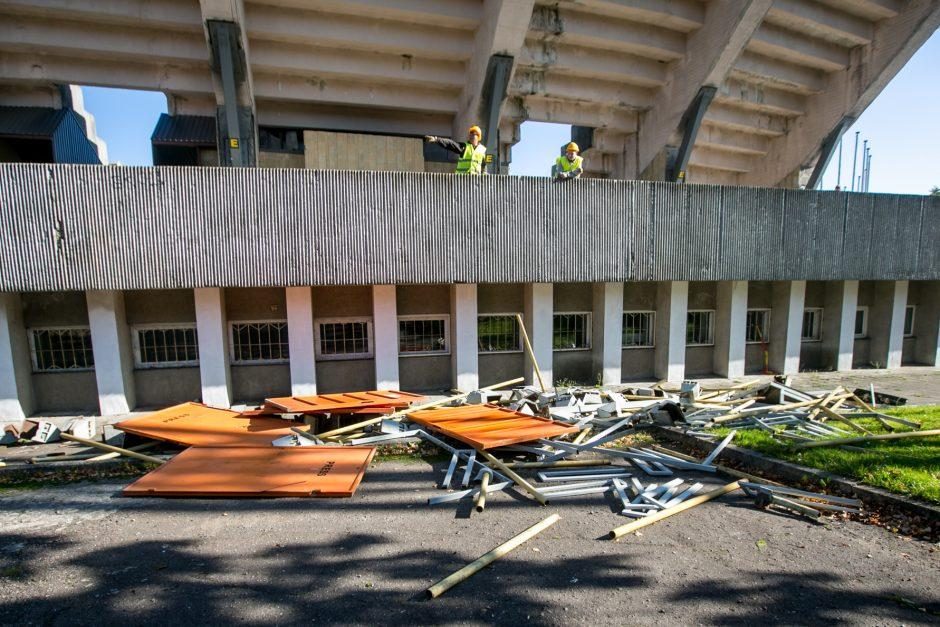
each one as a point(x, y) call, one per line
point(672, 309)
point(212, 328)
point(539, 310)
point(730, 328)
point(385, 332)
point(841, 304)
point(786, 325)
point(16, 390)
point(111, 345)
point(927, 325)
point(608, 331)
point(464, 352)
point(303, 374)
point(886, 326)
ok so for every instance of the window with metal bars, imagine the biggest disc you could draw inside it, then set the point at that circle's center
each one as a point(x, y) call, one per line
point(812, 325)
point(259, 341)
point(757, 326)
point(638, 329)
point(699, 328)
point(61, 349)
point(165, 346)
point(498, 333)
point(909, 321)
point(571, 331)
point(344, 338)
point(423, 335)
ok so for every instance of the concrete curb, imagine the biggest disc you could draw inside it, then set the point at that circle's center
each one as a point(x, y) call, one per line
point(798, 475)
point(24, 472)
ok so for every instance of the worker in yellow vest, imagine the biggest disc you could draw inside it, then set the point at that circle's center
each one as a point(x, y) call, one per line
point(568, 166)
point(472, 154)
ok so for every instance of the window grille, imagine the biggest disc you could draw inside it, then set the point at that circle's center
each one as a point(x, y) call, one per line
point(909, 321)
point(757, 326)
point(165, 346)
point(348, 338)
point(61, 349)
point(638, 329)
point(422, 335)
point(698, 328)
point(498, 334)
point(259, 342)
point(571, 331)
point(812, 325)
point(861, 322)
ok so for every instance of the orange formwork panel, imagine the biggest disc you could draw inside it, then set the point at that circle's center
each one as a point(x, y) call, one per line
point(341, 402)
point(489, 426)
point(258, 472)
point(194, 424)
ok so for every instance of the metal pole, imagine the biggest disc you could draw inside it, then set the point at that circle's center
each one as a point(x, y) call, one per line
point(854, 157)
point(861, 187)
point(868, 175)
point(839, 169)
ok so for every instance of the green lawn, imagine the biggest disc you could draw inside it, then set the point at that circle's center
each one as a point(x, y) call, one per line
point(910, 467)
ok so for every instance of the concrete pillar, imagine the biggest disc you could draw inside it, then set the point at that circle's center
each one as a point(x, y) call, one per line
point(786, 325)
point(464, 352)
point(303, 374)
point(608, 331)
point(730, 328)
point(111, 345)
point(927, 325)
point(212, 328)
point(385, 331)
point(16, 390)
point(841, 305)
point(886, 326)
point(672, 309)
point(539, 310)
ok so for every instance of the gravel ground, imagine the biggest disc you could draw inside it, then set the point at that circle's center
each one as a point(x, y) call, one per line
point(80, 554)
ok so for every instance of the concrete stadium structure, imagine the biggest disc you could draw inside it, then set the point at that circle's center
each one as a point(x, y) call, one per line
point(140, 287)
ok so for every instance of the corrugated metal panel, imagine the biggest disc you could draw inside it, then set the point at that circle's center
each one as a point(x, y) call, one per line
point(87, 227)
point(184, 130)
point(30, 121)
point(70, 143)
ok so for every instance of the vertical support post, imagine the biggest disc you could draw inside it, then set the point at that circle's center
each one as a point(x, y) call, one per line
point(887, 323)
point(672, 309)
point(212, 328)
point(16, 390)
point(464, 353)
point(303, 375)
point(385, 325)
point(730, 331)
point(927, 325)
point(786, 325)
point(110, 341)
point(539, 313)
point(841, 305)
point(608, 331)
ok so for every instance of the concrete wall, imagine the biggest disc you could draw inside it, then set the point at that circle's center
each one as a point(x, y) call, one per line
point(926, 322)
point(909, 347)
point(500, 298)
point(424, 372)
point(325, 150)
point(576, 365)
point(254, 382)
point(813, 355)
point(861, 353)
point(345, 374)
point(280, 160)
point(758, 297)
point(639, 363)
point(699, 360)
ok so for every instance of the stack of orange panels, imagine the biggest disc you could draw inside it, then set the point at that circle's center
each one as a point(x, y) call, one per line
point(258, 472)
point(489, 426)
point(347, 402)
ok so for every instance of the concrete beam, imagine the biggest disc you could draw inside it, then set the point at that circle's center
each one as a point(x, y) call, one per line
point(764, 70)
point(385, 335)
point(111, 346)
point(681, 15)
point(840, 306)
point(672, 307)
point(717, 138)
point(607, 332)
point(730, 328)
point(16, 390)
point(706, 60)
point(464, 352)
point(720, 160)
point(542, 109)
point(799, 48)
point(564, 87)
point(177, 15)
point(735, 118)
point(303, 369)
point(848, 93)
point(538, 316)
point(274, 112)
point(761, 98)
point(591, 63)
point(886, 326)
point(786, 325)
point(457, 14)
point(212, 333)
point(820, 20)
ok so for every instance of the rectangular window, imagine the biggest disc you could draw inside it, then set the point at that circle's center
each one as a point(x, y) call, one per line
point(423, 335)
point(259, 341)
point(638, 329)
point(61, 349)
point(165, 346)
point(909, 321)
point(498, 333)
point(757, 326)
point(812, 325)
point(344, 338)
point(861, 322)
point(699, 328)
point(571, 331)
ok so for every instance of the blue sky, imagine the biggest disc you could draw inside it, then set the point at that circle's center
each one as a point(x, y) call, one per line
point(902, 126)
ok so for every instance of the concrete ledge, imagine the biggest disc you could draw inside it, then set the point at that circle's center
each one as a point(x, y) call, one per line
point(800, 475)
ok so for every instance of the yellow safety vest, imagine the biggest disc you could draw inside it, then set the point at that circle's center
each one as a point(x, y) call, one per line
point(471, 161)
point(568, 166)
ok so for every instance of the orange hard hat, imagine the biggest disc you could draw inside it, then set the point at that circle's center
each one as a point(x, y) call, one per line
point(475, 129)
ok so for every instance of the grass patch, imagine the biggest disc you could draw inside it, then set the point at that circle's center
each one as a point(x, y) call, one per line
point(10, 481)
point(910, 467)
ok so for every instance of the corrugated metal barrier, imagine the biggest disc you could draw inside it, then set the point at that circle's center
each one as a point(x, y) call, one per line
point(76, 227)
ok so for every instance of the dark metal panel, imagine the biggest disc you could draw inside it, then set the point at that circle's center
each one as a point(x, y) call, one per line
point(184, 130)
point(882, 256)
point(69, 142)
point(858, 235)
point(830, 232)
point(905, 249)
point(30, 121)
point(928, 257)
point(799, 233)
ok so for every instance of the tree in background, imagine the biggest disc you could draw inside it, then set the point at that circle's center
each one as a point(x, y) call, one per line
point(935, 191)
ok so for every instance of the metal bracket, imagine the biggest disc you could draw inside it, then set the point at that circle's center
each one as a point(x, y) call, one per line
point(495, 85)
point(691, 121)
point(827, 150)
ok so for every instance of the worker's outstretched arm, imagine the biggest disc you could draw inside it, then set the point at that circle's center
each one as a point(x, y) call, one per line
point(448, 144)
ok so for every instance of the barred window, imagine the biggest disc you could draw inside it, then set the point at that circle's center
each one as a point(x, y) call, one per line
point(344, 338)
point(757, 326)
point(571, 331)
point(861, 322)
point(909, 321)
point(61, 349)
point(638, 329)
point(165, 346)
point(421, 335)
point(259, 341)
point(498, 334)
point(698, 328)
point(812, 325)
